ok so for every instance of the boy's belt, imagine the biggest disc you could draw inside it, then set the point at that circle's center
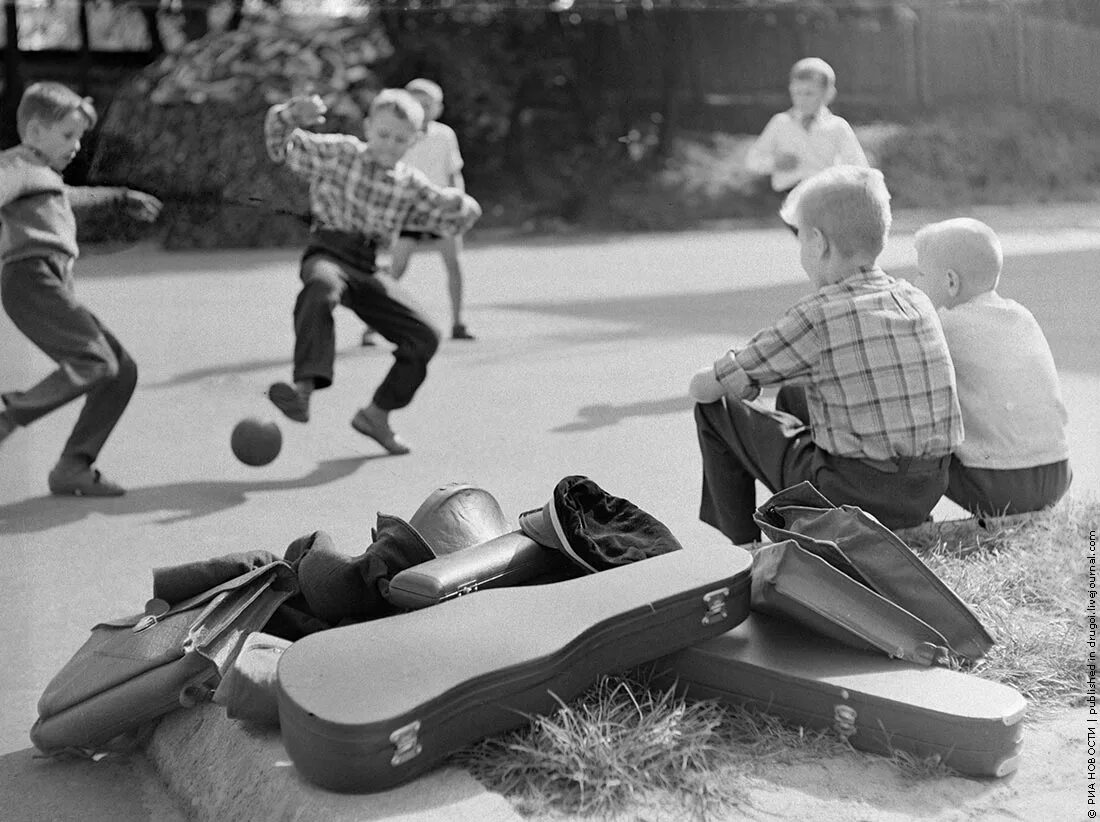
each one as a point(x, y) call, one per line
point(351, 248)
point(907, 465)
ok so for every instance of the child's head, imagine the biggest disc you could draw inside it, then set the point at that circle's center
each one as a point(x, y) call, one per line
point(429, 95)
point(813, 85)
point(393, 125)
point(52, 119)
point(957, 260)
point(842, 216)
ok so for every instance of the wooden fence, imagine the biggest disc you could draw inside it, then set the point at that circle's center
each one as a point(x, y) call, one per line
point(719, 62)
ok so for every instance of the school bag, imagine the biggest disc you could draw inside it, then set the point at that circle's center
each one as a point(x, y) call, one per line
point(137, 668)
point(840, 572)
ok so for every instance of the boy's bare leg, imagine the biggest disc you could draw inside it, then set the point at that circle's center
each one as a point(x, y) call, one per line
point(450, 248)
point(399, 260)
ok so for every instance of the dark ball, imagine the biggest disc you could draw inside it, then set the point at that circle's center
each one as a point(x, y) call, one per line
point(255, 441)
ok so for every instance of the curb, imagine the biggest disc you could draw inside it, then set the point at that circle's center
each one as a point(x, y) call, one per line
point(222, 769)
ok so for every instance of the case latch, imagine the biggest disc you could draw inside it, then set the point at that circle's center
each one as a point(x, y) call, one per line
point(406, 744)
point(715, 603)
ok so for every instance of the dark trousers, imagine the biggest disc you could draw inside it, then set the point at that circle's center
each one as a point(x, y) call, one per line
point(742, 442)
point(335, 274)
point(38, 295)
point(999, 491)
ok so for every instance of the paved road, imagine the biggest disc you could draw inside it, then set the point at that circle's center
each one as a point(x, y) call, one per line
point(584, 349)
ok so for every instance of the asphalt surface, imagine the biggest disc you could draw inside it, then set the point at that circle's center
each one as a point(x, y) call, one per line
point(584, 349)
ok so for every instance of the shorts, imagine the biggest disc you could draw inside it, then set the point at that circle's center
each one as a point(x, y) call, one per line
point(421, 236)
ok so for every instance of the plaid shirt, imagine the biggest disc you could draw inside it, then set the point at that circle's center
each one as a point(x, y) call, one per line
point(350, 192)
point(870, 350)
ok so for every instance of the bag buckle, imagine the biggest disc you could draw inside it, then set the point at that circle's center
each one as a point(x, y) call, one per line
point(406, 744)
point(154, 610)
point(715, 603)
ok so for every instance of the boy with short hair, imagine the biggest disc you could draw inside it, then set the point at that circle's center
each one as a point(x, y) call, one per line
point(808, 137)
point(360, 195)
point(38, 247)
point(1015, 456)
point(436, 153)
point(864, 359)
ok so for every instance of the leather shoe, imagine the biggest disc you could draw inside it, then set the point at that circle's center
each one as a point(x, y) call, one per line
point(84, 482)
point(384, 436)
point(290, 401)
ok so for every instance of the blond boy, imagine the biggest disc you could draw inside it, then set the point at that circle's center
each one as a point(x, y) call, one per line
point(38, 248)
point(360, 195)
point(1015, 455)
point(863, 364)
point(808, 137)
point(436, 153)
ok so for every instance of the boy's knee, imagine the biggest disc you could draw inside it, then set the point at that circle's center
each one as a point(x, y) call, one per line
point(96, 368)
point(428, 341)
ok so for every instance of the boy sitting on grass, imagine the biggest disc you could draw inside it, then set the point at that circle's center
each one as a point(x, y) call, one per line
point(360, 196)
point(1015, 456)
point(863, 359)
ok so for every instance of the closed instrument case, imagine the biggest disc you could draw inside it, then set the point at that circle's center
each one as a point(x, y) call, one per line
point(367, 707)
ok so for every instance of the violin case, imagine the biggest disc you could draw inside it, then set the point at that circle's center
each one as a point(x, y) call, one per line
point(369, 706)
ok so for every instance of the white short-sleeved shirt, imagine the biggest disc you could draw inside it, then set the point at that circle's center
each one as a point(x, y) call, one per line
point(436, 154)
point(829, 141)
point(1013, 415)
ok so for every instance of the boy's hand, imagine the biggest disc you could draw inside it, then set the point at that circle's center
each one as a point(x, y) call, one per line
point(784, 161)
point(142, 206)
point(705, 387)
point(451, 199)
point(307, 110)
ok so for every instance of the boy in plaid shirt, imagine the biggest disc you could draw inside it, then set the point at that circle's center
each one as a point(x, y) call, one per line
point(360, 195)
point(868, 411)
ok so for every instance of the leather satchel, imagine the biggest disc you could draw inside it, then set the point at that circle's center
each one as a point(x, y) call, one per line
point(135, 669)
point(841, 572)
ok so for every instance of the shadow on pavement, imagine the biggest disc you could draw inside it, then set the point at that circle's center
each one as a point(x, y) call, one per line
point(189, 500)
point(249, 366)
point(590, 417)
point(1062, 298)
point(115, 789)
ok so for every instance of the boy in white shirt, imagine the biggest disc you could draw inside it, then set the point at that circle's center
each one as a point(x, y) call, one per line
point(807, 137)
point(435, 153)
point(1014, 456)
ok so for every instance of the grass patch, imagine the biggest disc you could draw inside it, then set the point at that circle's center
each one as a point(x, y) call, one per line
point(615, 745)
point(1024, 581)
point(627, 744)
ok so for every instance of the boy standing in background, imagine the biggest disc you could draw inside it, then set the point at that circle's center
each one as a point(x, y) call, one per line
point(808, 137)
point(38, 248)
point(435, 153)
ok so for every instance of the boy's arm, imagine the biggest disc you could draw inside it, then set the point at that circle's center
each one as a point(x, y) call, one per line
point(289, 143)
point(11, 183)
point(446, 211)
point(783, 352)
point(849, 151)
point(457, 181)
point(760, 158)
point(135, 203)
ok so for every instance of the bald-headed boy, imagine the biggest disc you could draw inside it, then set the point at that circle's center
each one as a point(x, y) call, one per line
point(867, 411)
point(1014, 456)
